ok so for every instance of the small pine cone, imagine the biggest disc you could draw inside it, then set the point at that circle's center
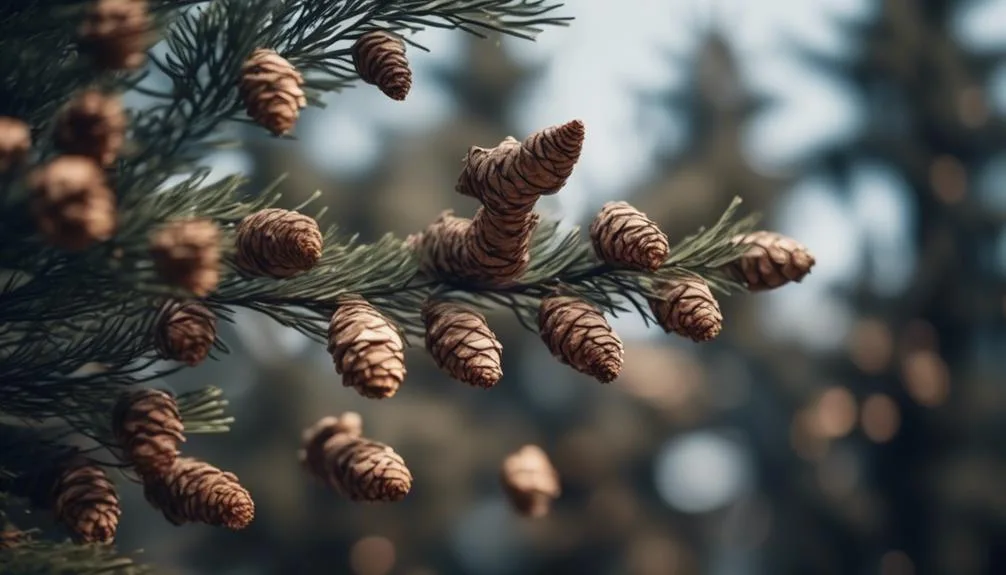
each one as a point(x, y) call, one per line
point(15, 143)
point(271, 91)
point(367, 349)
point(278, 243)
point(380, 60)
point(530, 481)
point(500, 246)
point(578, 335)
point(186, 332)
point(194, 491)
point(11, 537)
point(86, 503)
point(72, 205)
point(92, 124)
point(461, 343)
point(116, 33)
point(687, 307)
point(186, 253)
point(312, 454)
point(773, 260)
point(443, 247)
point(624, 236)
point(148, 427)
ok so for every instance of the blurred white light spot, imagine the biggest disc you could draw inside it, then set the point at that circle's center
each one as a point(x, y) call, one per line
point(701, 472)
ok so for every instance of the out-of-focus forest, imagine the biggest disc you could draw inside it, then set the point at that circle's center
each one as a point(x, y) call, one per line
point(852, 424)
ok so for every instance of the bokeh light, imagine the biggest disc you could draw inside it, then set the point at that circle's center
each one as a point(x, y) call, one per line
point(926, 377)
point(372, 556)
point(880, 418)
point(702, 472)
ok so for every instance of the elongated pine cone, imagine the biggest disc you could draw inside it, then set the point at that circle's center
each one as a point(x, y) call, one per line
point(278, 243)
point(355, 467)
point(530, 482)
point(380, 60)
point(148, 427)
point(623, 236)
point(443, 248)
point(186, 332)
point(92, 124)
point(461, 343)
point(186, 253)
point(271, 90)
point(86, 503)
point(578, 335)
point(71, 203)
point(116, 33)
point(687, 307)
point(771, 261)
point(15, 143)
point(367, 349)
point(194, 491)
point(500, 245)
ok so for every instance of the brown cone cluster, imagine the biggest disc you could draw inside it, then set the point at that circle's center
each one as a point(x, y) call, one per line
point(771, 261)
point(578, 335)
point(86, 503)
point(15, 143)
point(355, 467)
point(116, 33)
point(687, 307)
point(186, 332)
point(366, 348)
point(271, 89)
point(530, 481)
point(278, 243)
point(186, 254)
point(148, 427)
point(379, 58)
point(193, 491)
point(461, 343)
point(624, 237)
point(92, 124)
point(71, 203)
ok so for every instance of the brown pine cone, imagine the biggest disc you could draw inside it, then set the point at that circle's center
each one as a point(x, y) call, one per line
point(92, 124)
point(623, 236)
point(194, 491)
point(379, 58)
point(71, 204)
point(186, 332)
point(367, 349)
point(11, 537)
point(271, 90)
point(461, 343)
point(312, 454)
point(148, 427)
point(116, 33)
point(186, 254)
point(278, 243)
point(578, 335)
point(500, 246)
point(15, 143)
point(530, 481)
point(687, 307)
point(773, 260)
point(86, 503)
point(443, 248)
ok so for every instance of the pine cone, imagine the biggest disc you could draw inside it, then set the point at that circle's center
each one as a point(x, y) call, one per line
point(443, 248)
point(15, 143)
point(772, 261)
point(500, 246)
point(367, 349)
point(578, 335)
point(92, 124)
point(358, 468)
point(461, 343)
point(186, 253)
point(197, 492)
point(148, 427)
point(116, 33)
point(530, 481)
point(72, 205)
point(380, 59)
point(687, 307)
point(186, 332)
point(278, 243)
point(624, 236)
point(86, 503)
point(271, 91)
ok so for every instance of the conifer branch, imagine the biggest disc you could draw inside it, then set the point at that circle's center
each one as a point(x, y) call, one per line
point(33, 557)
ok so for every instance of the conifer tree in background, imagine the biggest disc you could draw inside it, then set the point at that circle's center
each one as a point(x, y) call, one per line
point(117, 254)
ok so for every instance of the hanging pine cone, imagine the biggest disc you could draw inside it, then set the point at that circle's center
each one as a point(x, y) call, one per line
point(72, 205)
point(500, 246)
point(185, 332)
point(530, 481)
point(623, 236)
point(15, 143)
point(194, 491)
point(380, 60)
point(771, 261)
point(461, 343)
point(578, 335)
point(443, 248)
point(271, 91)
point(687, 307)
point(116, 33)
point(355, 467)
point(92, 124)
point(186, 254)
point(367, 349)
point(86, 503)
point(148, 427)
point(278, 243)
